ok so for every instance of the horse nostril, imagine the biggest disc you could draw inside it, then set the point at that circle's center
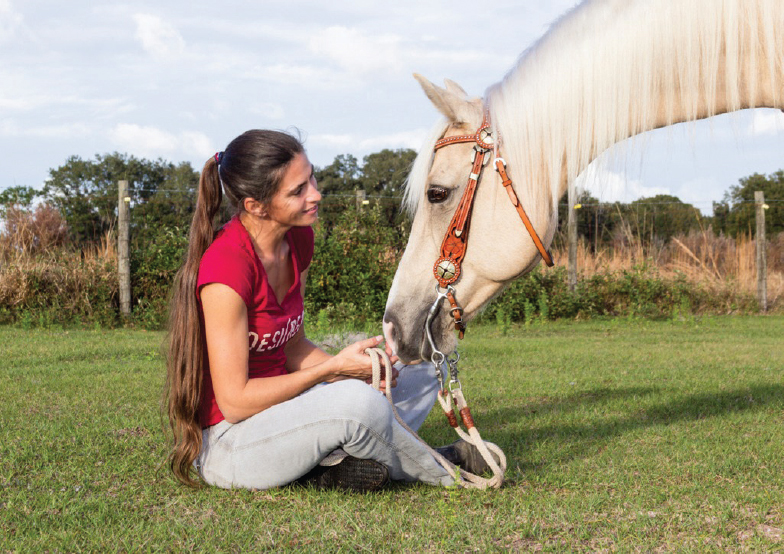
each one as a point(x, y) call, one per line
point(390, 333)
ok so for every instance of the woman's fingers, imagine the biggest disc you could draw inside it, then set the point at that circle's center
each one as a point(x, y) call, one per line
point(382, 385)
point(358, 364)
point(372, 342)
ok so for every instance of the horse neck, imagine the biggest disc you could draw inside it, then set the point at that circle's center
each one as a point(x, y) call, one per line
point(609, 70)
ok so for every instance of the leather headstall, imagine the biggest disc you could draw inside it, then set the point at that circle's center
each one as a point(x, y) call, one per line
point(453, 248)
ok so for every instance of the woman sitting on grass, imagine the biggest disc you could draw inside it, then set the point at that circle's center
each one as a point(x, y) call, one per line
point(251, 401)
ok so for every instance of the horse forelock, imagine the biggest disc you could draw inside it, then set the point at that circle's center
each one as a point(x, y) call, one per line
point(417, 177)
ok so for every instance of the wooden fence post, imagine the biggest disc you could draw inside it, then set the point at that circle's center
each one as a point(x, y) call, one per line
point(361, 199)
point(762, 251)
point(123, 247)
point(572, 236)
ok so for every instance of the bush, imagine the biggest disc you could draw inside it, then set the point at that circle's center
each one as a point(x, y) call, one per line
point(33, 231)
point(640, 292)
point(66, 289)
point(154, 263)
point(353, 267)
point(45, 281)
point(354, 263)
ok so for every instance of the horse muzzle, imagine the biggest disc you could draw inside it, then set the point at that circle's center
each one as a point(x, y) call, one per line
point(406, 335)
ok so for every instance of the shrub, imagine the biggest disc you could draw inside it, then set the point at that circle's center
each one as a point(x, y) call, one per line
point(353, 266)
point(30, 232)
point(44, 281)
point(154, 263)
point(639, 292)
point(66, 289)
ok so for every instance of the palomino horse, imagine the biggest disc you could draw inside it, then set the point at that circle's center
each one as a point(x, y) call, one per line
point(607, 70)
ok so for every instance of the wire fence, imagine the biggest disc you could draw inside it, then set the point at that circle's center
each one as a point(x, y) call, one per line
point(134, 194)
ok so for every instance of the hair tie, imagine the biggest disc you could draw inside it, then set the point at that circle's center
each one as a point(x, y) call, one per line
point(219, 157)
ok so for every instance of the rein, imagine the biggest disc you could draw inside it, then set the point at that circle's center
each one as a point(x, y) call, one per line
point(470, 434)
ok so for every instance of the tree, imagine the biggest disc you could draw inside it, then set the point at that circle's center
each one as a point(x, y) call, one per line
point(20, 197)
point(385, 172)
point(663, 216)
point(171, 205)
point(735, 214)
point(341, 176)
point(85, 192)
point(591, 220)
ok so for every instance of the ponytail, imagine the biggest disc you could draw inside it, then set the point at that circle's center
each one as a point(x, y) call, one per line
point(186, 353)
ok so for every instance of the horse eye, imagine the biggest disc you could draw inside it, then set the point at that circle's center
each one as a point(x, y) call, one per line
point(436, 195)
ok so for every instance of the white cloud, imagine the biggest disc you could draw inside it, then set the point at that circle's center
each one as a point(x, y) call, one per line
point(360, 53)
point(407, 139)
point(268, 110)
point(339, 141)
point(152, 142)
point(698, 191)
point(197, 144)
point(766, 122)
point(356, 51)
point(65, 131)
point(298, 75)
point(158, 38)
point(612, 186)
point(24, 99)
point(148, 139)
point(18, 103)
point(10, 21)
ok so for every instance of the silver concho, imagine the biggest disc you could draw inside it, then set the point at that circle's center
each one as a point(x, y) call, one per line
point(485, 138)
point(446, 270)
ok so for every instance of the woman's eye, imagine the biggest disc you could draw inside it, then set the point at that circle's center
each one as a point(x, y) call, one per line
point(436, 195)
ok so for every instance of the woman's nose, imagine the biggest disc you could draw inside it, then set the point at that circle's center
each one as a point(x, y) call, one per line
point(315, 193)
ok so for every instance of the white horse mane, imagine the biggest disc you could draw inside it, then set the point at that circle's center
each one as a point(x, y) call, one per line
point(610, 69)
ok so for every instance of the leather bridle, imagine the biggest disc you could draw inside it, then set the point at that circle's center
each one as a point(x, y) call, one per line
point(447, 271)
point(453, 248)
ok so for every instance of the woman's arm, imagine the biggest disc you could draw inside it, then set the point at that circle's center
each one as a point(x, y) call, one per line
point(301, 353)
point(238, 397)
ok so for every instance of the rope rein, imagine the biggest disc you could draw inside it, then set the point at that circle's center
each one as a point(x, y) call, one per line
point(470, 434)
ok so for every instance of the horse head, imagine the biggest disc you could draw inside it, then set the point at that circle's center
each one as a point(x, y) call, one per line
point(606, 71)
point(499, 248)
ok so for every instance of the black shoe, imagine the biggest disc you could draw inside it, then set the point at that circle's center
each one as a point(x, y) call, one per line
point(466, 456)
point(350, 474)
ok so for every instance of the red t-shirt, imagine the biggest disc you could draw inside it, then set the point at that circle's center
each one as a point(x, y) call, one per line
point(232, 261)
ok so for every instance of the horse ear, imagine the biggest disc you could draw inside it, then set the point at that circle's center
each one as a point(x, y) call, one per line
point(450, 101)
point(454, 88)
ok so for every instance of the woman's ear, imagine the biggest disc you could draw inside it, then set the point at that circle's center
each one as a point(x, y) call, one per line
point(254, 207)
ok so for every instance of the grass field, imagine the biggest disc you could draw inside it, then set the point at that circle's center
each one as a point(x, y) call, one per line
point(621, 436)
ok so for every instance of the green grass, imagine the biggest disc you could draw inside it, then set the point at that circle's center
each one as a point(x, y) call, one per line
point(621, 435)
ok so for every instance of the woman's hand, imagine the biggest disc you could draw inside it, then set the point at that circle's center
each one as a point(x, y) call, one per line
point(393, 381)
point(382, 385)
point(353, 363)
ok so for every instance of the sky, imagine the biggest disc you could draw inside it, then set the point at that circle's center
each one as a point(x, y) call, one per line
point(178, 80)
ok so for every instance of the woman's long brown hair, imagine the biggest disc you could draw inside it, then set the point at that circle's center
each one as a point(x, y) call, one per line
point(187, 353)
point(252, 166)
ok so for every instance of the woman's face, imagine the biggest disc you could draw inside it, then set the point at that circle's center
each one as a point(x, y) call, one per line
point(296, 202)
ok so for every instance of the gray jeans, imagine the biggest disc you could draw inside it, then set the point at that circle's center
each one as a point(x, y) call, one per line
point(282, 443)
